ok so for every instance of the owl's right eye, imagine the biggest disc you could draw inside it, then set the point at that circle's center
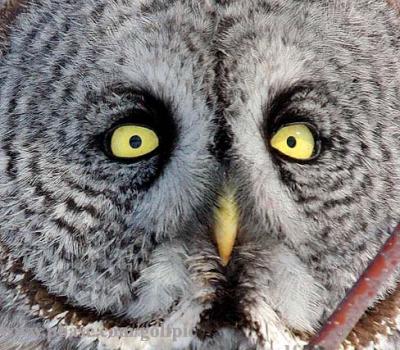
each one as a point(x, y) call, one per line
point(142, 128)
point(132, 141)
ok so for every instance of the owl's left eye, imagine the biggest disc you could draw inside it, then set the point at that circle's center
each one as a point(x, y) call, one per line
point(131, 142)
point(296, 141)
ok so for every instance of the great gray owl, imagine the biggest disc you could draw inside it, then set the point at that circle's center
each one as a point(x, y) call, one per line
point(222, 169)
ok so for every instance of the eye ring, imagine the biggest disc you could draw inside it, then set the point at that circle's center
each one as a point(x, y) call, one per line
point(140, 107)
point(291, 142)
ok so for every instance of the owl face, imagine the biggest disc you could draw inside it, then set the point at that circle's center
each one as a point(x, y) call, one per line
point(228, 168)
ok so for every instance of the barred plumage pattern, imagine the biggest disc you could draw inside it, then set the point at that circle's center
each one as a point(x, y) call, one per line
point(132, 241)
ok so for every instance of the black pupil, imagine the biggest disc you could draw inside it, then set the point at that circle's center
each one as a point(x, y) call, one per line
point(135, 141)
point(291, 142)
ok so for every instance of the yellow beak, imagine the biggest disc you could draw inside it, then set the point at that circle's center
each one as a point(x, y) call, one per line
point(226, 225)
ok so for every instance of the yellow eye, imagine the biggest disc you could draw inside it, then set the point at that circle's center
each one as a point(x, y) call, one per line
point(133, 141)
point(295, 141)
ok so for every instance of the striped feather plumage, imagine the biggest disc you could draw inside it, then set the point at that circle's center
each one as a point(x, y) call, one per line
point(86, 241)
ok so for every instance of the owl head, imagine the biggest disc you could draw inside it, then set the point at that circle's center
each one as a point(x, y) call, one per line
point(226, 168)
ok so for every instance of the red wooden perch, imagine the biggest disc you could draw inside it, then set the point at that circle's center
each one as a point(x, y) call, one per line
point(360, 297)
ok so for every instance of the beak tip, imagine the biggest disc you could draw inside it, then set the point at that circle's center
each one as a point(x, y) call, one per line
point(225, 260)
